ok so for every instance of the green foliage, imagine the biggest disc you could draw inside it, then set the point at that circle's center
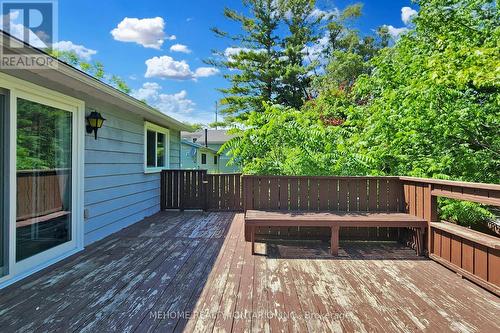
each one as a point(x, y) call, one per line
point(468, 214)
point(429, 105)
point(253, 67)
point(95, 69)
point(43, 137)
point(295, 64)
point(273, 56)
point(119, 84)
point(286, 141)
point(196, 127)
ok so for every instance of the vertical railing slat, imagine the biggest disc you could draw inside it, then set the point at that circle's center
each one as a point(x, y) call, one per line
point(363, 194)
point(342, 194)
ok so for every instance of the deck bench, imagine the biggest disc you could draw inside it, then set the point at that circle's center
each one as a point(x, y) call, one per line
point(333, 220)
point(330, 201)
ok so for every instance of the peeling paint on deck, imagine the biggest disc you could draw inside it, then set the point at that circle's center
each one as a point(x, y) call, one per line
point(199, 267)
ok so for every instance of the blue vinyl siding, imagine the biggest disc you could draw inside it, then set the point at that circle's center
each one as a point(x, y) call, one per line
point(117, 191)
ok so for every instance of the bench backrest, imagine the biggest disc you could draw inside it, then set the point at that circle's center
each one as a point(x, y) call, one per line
point(318, 193)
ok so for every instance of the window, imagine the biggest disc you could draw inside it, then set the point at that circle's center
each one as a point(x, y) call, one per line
point(215, 159)
point(203, 158)
point(156, 147)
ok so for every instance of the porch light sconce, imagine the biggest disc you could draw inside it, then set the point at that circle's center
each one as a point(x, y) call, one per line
point(94, 122)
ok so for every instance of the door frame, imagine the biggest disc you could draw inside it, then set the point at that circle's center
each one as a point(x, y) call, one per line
point(22, 89)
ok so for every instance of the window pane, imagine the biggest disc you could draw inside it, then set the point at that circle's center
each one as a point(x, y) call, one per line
point(203, 158)
point(150, 148)
point(44, 168)
point(160, 150)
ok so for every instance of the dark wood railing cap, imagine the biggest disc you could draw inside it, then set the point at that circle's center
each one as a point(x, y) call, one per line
point(482, 186)
point(469, 234)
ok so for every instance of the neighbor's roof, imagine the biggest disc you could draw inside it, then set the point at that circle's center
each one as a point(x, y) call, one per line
point(80, 81)
point(198, 146)
point(214, 136)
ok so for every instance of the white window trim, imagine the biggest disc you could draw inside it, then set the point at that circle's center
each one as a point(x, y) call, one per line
point(158, 129)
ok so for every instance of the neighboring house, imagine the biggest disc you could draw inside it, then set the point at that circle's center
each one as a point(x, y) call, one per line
point(196, 156)
point(61, 187)
point(213, 139)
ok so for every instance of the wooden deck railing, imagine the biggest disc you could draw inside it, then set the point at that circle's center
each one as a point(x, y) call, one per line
point(368, 194)
point(197, 189)
point(473, 255)
point(224, 192)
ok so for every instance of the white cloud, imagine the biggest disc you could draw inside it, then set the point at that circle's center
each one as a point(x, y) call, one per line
point(171, 104)
point(180, 48)
point(407, 14)
point(315, 51)
point(80, 50)
point(18, 30)
point(147, 92)
point(230, 52)
point(176, 103)
point(148, 32)
point(205, 71)
point(173, 37)
point(166, 67)
point(396, 32)
point(324, 14)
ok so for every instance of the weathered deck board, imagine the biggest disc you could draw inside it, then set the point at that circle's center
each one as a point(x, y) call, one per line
point(195, 272)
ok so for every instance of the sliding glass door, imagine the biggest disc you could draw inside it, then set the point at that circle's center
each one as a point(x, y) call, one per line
point(43, 176)
point(41, 173)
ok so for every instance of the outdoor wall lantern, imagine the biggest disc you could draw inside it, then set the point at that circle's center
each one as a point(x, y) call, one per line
point(94, 122)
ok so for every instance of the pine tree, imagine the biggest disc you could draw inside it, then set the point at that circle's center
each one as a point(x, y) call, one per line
point(253, 61)
point(303, 27)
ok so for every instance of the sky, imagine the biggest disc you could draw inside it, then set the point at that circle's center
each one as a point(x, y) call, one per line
point(158, 46)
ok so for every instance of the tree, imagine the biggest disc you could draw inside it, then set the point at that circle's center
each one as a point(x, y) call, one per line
point(95, 69)
point(431, 108)
point(253, 65)
point(296, 66)
point(307, 137)
point(269, 63)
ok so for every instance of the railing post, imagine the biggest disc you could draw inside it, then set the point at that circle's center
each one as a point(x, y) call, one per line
point(431, 213)
point(163, 190)
point(204, 189)
point(247, 192)
point(181, 189)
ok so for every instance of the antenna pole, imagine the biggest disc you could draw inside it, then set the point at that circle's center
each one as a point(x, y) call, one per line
point(216, 113)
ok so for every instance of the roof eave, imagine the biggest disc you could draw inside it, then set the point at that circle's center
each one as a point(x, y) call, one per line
point(91, 81)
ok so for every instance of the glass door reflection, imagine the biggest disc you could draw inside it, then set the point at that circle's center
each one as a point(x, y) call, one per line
point(44, 182)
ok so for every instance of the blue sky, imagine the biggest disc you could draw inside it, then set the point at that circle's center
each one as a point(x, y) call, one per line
point(176, 84)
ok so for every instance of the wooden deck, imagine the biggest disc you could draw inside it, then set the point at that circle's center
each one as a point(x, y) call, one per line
point(194, 272)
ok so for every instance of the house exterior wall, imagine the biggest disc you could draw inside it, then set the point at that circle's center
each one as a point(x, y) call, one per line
point(224, 160)
point(117, 191)
point(210, 166)
point(187, 161)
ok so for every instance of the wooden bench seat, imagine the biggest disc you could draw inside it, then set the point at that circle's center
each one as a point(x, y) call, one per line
point(333, 220)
